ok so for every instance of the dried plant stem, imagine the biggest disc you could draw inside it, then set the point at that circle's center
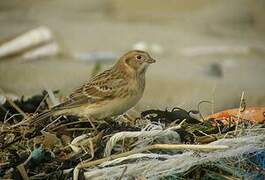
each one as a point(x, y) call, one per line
point(44, 98)
point(86, 164)
point(16, 107)
point(239, 110)
point(52, 97)
point(78, 129)
point(123, 172)
point(53, 122)
point(22, 171)
point(23, 122)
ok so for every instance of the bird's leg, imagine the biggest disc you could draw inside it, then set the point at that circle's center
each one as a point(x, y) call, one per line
point(127, 118)
point(90, 119)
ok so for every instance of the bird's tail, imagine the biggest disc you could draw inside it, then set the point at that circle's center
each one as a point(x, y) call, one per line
point(41, 119)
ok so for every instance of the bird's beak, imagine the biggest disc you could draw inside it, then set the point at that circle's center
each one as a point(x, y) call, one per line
point(151, 60)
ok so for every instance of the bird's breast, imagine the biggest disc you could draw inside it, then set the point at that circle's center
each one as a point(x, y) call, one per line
point(109, 108)
point(126, 98)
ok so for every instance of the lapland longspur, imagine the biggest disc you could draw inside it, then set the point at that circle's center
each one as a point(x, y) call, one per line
point(110, 93)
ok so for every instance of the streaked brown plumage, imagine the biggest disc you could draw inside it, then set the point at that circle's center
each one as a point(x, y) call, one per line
point(110, 93)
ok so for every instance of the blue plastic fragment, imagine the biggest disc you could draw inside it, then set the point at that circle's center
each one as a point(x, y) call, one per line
point(260, 158)
point(37, 154)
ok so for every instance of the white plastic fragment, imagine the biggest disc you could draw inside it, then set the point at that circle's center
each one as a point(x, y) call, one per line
point(54, 100)
point(2, 99)
point(145, 137)
point(50, 49)
point(12, 97)
point(26, 41)
point(75, 144)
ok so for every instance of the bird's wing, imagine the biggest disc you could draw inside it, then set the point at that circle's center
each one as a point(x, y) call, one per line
point(103, 86)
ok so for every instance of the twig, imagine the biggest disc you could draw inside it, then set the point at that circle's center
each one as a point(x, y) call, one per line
point(239, 111)
point(17, 108)
point(78, 129)
point(44, 98)
point(52, 97)
point(207, 139)
point(11, 117)
point(198, 107)
point(22, 171)
point(24, 121)
point(205, 134)
point(4, 164)
point(54, 121)
point(123, 172)
point(177, 126)
point(213, 97)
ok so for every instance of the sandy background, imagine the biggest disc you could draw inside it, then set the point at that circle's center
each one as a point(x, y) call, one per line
point(185, 31)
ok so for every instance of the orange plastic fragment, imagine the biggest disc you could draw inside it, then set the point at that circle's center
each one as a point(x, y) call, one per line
point(255, 115)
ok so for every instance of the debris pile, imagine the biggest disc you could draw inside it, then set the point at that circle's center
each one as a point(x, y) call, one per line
point(156, 143)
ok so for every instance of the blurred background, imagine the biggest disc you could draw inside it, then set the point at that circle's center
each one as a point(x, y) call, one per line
point(205, 49)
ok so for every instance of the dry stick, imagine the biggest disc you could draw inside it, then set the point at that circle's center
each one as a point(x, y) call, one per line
point(52, 97)
point(123, 172)
point(8, 113)
point(213, 97)
point(12, 116)
point(87, 164)
point(4, 164)
point(239, 111)
point(78, 129)
point(198, 107)
point(208, 139)
point(17, 108)
point(54, 121)
point(22, 171)
point(26, 119)
point(44, 98)
point(5, 115)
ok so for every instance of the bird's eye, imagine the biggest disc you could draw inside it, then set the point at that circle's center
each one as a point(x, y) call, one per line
point(139, 57)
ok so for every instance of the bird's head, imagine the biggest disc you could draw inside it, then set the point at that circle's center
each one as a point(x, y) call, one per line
point(136, 61)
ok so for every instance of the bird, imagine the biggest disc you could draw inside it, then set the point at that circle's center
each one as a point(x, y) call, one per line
point(108, 94)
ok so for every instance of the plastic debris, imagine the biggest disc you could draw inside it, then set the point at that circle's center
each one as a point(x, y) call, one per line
point(46, 50)
point(25, 41)
point(33, 44)
point(254, 115)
